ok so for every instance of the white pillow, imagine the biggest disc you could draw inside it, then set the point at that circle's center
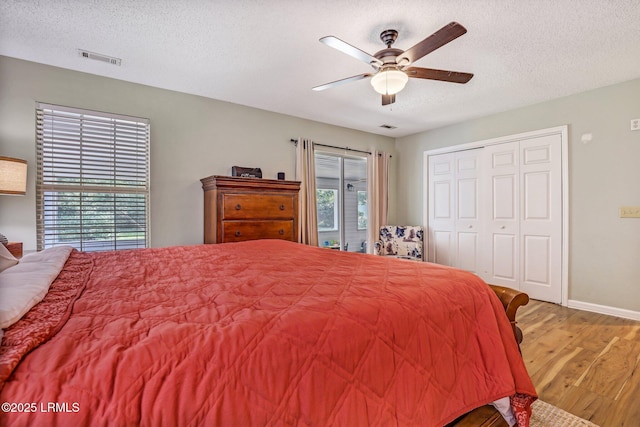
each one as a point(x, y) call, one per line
point(6, 259)
point(26, 284)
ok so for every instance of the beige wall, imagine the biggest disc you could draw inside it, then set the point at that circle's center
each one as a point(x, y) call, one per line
point(604, 174)
point(191, 137)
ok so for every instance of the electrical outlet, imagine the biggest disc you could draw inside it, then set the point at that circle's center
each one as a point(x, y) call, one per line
point(630, 212)
point(635, 124)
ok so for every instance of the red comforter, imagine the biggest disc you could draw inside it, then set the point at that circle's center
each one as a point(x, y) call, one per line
point(258, 333)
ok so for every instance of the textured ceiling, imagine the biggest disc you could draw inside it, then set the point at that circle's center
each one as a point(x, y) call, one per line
point(266, 54)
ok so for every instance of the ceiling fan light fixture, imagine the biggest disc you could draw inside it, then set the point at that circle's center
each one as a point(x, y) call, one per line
point(389, 82)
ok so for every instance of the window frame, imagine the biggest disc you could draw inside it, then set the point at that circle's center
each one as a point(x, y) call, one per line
point(91, 155)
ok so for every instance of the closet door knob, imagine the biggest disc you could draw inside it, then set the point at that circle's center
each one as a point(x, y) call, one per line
point(238, 207)
point(471, 226)
point(238, 233)
point(502, 227)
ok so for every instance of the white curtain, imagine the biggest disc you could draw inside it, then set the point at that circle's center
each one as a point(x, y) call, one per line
point(306, 174)
point(378, 200)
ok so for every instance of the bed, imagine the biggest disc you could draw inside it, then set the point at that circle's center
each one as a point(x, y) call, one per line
point(256, 333)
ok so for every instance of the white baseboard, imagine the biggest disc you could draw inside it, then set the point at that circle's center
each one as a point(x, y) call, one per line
point(603, 309)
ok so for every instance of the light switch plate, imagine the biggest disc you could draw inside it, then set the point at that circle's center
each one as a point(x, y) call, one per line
point(630, 212)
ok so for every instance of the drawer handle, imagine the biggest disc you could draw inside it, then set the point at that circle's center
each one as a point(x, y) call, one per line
point(238, 233)
point(238, 207)
point(281, 207)
point(281, 231)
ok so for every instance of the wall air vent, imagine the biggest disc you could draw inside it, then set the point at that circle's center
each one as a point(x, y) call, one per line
point(99, 57)
point(388, 127)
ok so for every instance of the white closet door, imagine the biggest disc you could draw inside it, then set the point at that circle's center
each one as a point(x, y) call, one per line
point(468, 226)
point(541, 218)
point(503, 228)
point(524, 245)
point(454, 210)
point(442, 209)
point(496, 209)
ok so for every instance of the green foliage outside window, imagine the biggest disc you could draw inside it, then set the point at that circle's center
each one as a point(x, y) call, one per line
point(327, 203)
point(98, 216)
point(362, 210)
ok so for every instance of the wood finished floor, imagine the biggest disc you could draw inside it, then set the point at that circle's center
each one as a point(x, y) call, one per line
point(585, 363)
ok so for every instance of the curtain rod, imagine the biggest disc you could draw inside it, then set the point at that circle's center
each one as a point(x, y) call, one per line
point(295, 141)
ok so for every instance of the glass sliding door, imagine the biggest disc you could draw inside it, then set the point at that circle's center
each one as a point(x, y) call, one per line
point(341, 196)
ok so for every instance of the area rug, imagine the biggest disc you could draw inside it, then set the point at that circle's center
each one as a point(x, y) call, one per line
point(546, 415)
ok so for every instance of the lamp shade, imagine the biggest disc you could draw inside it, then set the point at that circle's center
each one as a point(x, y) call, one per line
point(389, 82)
point(13, 176)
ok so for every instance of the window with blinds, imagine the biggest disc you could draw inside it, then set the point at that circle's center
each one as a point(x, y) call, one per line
point(92, 185)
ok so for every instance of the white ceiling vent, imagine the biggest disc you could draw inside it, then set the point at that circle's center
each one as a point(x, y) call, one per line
point(388, 127)
point(99, 57)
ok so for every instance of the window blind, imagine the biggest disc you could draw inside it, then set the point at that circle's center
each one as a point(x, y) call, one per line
point(92, 186)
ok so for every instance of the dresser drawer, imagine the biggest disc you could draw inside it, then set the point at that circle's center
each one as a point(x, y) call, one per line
point(240, 206)
point(238, 231)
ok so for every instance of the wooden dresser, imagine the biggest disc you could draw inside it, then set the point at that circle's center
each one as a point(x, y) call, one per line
point(238, 209)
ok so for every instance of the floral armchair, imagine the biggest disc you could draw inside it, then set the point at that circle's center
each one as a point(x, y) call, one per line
point(401, 241)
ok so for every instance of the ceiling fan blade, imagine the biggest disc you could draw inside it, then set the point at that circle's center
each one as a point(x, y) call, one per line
point(342, 81)
point(353, 51)
point(442, 75)
point(444, 35)
point(388, 99)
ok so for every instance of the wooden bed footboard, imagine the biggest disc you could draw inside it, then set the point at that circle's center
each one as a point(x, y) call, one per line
point(512, 300)
point(487, 415)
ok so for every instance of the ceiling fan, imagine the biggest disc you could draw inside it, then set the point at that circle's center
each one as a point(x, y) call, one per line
point(393, 66)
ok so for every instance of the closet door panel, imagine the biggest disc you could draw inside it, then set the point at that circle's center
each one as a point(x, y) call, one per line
point(467, 254)
point(442, 247)
point(440, 234)
point(468, 225)
point(536, 260)
point(536, 193)
point(468, 199)
point(541, 219)
point(504, 207)
point(502, 219)
point(503, 263)
point(442, 200)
